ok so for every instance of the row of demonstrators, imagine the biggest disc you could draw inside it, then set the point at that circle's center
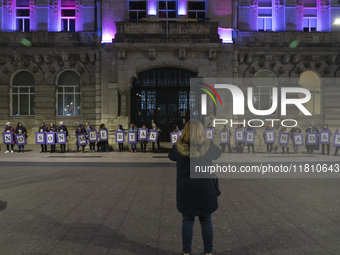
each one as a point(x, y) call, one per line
point(246, 137)
point(88, 134)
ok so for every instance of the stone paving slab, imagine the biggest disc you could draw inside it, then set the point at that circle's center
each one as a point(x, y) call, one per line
point(104, 207)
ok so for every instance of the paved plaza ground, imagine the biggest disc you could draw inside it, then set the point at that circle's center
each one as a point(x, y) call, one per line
point(125, 203)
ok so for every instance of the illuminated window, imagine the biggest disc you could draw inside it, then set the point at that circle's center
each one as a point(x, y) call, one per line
point(167, 9)
point(22, 16)
point(311, 81)
point(137, 10)
point(69, 94)
point(23, 94)
point(68, 16)
point(264, 18)
point(196, 10)
point(309, 15)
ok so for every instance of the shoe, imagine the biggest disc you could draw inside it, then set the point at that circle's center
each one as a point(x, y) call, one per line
point(12, 151)
point(131, 150)
point(135, 150)
point(7, 151)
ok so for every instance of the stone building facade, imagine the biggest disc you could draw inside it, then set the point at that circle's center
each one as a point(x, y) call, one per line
point(120, 61)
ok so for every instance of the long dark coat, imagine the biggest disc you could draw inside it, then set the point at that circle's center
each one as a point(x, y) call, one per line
point(195, 197)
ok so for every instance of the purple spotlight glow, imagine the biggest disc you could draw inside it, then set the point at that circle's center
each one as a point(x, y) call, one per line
point(226, 34)
point(182, 7)
point(108, 30)
point(152, 7)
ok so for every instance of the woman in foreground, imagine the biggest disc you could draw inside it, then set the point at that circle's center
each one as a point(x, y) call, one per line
point(195, 197)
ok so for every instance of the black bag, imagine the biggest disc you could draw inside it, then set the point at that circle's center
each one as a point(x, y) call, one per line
point(217, 186)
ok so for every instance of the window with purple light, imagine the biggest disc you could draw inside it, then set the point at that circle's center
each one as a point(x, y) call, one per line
point(310, 15)
point(22, 15)
point(264, 17)
point(68, 16)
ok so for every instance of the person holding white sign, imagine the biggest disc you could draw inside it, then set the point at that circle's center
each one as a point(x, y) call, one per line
point(251, 145)
point(133, 129)
point(284, 130)
point(294, 131)
point(120, 145)
point(145, 141)
point(20, 129)
point(43, 129)
point(225, 131)
point(63, 128)
point(325, 136)
point(269, 144)
point(311, 129)
point(53, 129)
point(9, 129)
point(80, 130)
point(154, 127)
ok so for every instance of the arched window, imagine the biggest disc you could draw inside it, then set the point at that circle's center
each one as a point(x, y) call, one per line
point(311, 81)
point(263, 84)
point(23, 94)
point(69, 94)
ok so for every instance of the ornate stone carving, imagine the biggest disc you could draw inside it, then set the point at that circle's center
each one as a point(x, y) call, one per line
point(54, 5)
point(181, 54)
point(78, 5)
point(9, 5)
point(152, 54)
point(33, 4)
point(322, 5)
point(121, 54)
point(212, 54)
point(300, 6)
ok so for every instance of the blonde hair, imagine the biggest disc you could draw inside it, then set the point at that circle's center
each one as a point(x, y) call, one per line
point(193, 133)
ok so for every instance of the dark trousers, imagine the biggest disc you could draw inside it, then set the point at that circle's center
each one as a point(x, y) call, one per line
point(269, 147)
point(158, 146)
point(336, 150)
point(143, 147)
point(206, 229)
point(52, 148)
point(121, 146)
point(104, 146)
point(283, 149)
point(250, 145)
point(43, 148)
point(133, 147)
point(7, 146)
point(81, 146)
point(223, 145)
point(328, 148)
point(62, 147)
point(92, 146)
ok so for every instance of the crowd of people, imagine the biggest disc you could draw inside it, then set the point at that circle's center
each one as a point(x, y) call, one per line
point(102, 145)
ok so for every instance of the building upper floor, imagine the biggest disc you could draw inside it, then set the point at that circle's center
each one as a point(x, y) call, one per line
point(110, 19)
